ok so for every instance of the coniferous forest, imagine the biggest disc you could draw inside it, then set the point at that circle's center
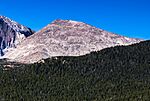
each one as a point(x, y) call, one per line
point(119, 73)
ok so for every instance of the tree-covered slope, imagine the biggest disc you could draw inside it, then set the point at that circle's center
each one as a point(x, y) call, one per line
point(114, 74)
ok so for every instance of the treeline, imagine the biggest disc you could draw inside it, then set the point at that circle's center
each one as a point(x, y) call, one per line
point(121, 73)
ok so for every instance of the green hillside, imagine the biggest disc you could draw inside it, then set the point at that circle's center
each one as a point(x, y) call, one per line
point(114, 74)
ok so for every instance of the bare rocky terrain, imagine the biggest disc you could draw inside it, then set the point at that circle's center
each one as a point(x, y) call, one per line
point(11, 34)
point(65, 38)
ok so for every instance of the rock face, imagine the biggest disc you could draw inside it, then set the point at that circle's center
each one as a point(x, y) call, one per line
point(11, 33)
point(66, 38)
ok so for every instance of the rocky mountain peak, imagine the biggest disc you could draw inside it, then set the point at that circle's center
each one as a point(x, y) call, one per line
point(11, 33)
point(69, 23)
point(2, 16)
point(66, 38)
point(66, 22)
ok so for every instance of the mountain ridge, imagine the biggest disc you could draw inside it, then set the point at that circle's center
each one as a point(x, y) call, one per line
point(66, 38)
point(11, 33)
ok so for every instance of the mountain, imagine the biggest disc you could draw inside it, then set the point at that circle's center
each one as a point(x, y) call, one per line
point(121, 73)
point(11, 33)
point(65, 38)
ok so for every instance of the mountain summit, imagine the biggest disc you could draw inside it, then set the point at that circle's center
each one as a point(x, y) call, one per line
point(66, 38)
point(11, 33)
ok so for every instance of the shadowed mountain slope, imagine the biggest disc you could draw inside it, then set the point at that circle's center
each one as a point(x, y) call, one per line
point(11, 33)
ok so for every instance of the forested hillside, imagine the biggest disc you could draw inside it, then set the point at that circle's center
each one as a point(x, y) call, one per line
point(121, 73)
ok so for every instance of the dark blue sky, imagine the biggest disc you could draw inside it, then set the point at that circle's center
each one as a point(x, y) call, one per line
point(126, 17)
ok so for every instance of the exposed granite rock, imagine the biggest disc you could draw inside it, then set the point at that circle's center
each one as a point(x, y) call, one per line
point(11, 33)
point(66, 38)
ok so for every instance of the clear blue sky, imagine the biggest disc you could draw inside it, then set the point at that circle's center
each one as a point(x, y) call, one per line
point(126, 17)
